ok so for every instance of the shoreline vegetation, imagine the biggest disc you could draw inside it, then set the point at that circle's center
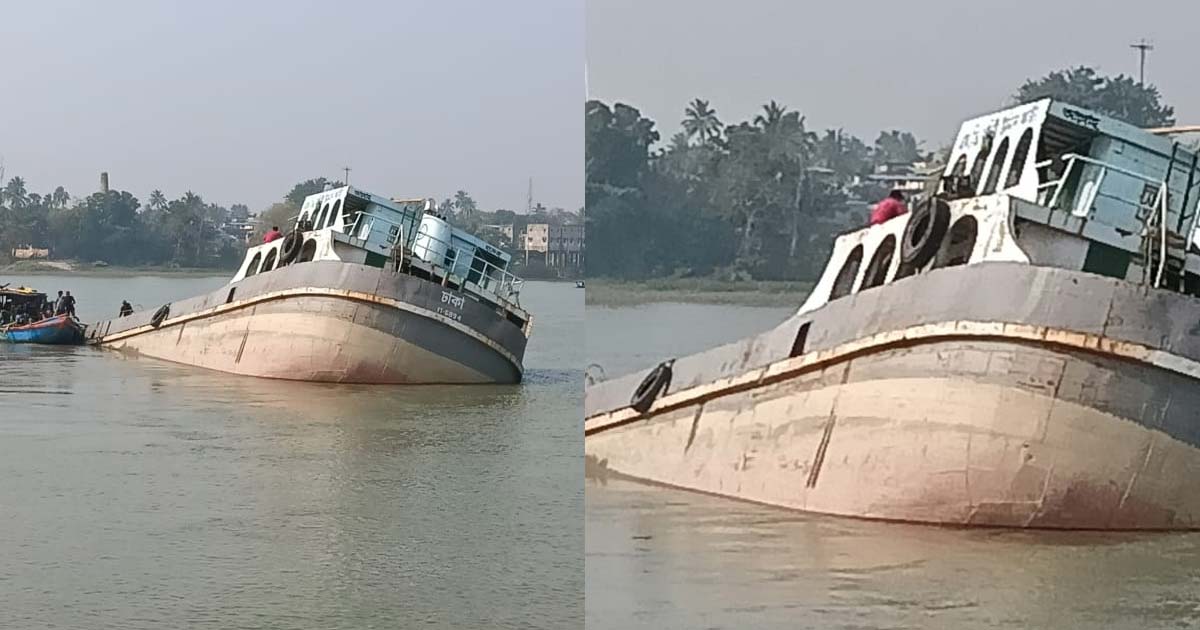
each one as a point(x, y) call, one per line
point(71, 268)
point(616, 293)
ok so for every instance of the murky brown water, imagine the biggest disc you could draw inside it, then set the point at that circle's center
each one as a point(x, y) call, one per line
point(141, 494)
point(664, 559)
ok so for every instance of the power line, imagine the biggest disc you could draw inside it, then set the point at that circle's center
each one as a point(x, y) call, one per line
point(1142, 47)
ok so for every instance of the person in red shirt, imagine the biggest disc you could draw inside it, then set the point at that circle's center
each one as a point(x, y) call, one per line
point(891, 207)
point(272, 235)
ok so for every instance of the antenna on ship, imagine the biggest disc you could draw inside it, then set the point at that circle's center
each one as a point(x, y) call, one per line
point(346, 170)
point(1142, 47)
point(529, 198)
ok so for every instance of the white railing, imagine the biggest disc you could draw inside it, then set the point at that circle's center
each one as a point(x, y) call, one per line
point(1158, 206)
point(507, 284)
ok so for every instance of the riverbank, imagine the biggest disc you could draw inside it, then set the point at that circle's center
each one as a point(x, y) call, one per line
point(68, 268)
point(604, 292)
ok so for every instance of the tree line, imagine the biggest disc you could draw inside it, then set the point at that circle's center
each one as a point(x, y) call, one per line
point(763, 198)
point(117, 228)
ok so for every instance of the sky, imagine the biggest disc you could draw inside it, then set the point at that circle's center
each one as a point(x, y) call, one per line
point(238, 101)
point(919, 65)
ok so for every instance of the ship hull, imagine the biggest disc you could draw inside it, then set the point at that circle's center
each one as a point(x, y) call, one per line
point(1068, 403)
point(330, 322)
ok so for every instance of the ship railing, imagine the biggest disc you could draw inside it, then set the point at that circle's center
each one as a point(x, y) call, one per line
point(1157, 208)
point(491, 277)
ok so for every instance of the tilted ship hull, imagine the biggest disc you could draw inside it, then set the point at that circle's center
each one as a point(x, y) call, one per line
point(355, 294)
point(1053, 412)
point(1022, 350)
point(333, 322)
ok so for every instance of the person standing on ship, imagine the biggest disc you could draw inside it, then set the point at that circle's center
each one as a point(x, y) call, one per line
point(69, 304)
point(59, 304)
point(891, 207)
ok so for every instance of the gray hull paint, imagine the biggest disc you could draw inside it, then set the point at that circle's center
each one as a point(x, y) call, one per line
point(358, 301)
point(992, 292)
point(1058, 432)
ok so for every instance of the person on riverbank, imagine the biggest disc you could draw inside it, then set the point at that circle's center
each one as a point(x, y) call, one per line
point(126, 309)
point(891, 207)
point(273, 234)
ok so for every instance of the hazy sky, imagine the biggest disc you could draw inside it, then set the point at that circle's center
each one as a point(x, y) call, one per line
point(237, 101)
point(918, 65)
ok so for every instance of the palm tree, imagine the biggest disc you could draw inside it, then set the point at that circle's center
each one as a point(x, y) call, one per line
point(789, 149)
point(59, 198)
point(15, 192)
point(701, 121)
point(464, 203)
point(158, 200)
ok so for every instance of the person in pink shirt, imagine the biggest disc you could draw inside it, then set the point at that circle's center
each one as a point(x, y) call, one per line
point(891, 207)
point(272, 235)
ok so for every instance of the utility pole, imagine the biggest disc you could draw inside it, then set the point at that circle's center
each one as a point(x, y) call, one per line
point(529, 199)
point(346, 170)
point(1142, 47)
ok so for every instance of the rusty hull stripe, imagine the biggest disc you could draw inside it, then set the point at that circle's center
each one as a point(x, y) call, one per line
point(791, 367)
point(349, 295)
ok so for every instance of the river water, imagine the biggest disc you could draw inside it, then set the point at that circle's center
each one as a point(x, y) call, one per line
point(136, 493)
point(662, 558)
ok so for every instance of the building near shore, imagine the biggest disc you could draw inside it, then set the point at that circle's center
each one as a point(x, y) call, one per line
point(559, 246)
point(28, 252)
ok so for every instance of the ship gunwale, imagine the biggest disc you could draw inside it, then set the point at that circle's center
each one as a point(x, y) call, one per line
point(792, 367)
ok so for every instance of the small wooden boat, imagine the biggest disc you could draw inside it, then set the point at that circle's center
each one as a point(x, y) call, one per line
point(57, 330)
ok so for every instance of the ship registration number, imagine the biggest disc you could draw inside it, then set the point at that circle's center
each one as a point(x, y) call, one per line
point(456, 301)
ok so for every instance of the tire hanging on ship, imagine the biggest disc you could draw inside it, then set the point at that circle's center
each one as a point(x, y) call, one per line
point(924, 233)
point(655, 383)
point(160, 315)
point(290, 250)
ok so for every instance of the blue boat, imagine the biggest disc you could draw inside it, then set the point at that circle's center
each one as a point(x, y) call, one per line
point(22, 319)
point(60, 330)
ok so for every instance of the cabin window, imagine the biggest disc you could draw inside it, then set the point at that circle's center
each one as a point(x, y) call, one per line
point(333, 216)
point(269, 263)
point(877, 269)
point(1018, 159)
point(960, 167)
point(309, 251)
point(252, 268)
point(959, 243)
point(993, 177)
point(844, 283)
point(985, 149)
point(320, 222)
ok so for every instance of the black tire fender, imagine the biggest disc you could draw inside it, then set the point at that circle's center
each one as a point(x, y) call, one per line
point(655, 383)
point(924, 232)
point(160, 315)
point(290, 250)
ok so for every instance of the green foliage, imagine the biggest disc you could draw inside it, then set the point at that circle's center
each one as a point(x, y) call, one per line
point(1120, 96)
point(733, 201)
point(116, 228)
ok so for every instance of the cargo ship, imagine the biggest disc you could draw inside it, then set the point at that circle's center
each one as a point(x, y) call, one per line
point(362, 289)
point(1021, 349)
